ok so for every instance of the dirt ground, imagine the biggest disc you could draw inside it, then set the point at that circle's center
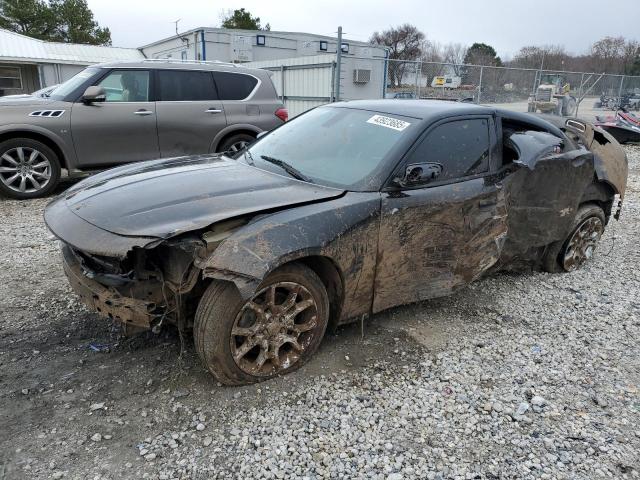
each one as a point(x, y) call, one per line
point(80, 401)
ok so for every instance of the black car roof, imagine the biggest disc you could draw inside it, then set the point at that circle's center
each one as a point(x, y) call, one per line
point(433, 110)
point(422, 109)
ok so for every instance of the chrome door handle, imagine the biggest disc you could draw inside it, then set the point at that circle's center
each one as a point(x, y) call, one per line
point(213, 110)
point(143, 112)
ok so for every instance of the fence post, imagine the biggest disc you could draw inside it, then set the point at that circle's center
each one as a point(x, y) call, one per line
point(419, 79)
point(333, 82)
point(579, 95)
point(338, 63)
point(620, 91)
point(416, 90)
point(282, 83)
point(480, 85)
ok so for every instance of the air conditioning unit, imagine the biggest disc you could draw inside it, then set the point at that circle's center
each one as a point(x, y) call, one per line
point(361, 75)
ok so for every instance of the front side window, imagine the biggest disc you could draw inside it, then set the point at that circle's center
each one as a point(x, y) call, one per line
point(234, 86)
point(461, 147)
point(182, 86)
point(338, 147)
point(126, 86)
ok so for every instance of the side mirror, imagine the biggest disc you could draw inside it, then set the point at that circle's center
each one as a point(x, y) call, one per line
point(261, 134)
point(419, 174)
point(94, 94)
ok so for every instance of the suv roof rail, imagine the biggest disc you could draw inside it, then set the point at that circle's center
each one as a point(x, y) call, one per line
point(198, 62)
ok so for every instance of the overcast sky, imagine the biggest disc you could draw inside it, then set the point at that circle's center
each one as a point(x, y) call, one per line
point(504, 24)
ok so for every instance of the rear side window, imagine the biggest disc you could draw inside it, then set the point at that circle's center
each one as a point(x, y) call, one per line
point(461, 147)
point(181, 86)
point(234, 86)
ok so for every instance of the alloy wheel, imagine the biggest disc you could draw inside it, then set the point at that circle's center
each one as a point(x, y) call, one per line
point(274, 328)
point(582, 243)
point(24, 169)
point(237, 146)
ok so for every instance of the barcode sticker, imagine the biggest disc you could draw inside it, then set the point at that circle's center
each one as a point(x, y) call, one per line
point(389, 122)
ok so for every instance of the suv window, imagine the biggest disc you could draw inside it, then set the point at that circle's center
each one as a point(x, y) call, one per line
point(461, 146)
point(234, 86)
point(126, 86)
point(180, 86)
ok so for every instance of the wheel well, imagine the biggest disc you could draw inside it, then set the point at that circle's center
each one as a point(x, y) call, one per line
point(39, 137)
point(332, 280)
point(601, 194)
point(231, 134)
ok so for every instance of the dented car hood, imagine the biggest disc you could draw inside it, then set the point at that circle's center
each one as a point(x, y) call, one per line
point(163, 198)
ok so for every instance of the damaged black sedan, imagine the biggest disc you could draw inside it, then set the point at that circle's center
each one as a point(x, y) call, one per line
point(347, 210)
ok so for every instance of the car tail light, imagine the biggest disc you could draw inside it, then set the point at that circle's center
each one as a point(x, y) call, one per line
point(282, 114)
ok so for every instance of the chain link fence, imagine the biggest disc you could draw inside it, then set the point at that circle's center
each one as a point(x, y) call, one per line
point(512, 88)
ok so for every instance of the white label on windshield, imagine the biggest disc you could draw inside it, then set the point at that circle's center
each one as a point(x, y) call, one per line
point(388, 122)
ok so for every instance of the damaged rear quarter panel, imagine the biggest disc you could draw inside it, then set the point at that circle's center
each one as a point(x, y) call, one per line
point(344, 230)
point(544, 192)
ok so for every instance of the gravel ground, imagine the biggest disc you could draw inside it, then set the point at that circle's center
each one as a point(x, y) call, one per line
point(518, 376)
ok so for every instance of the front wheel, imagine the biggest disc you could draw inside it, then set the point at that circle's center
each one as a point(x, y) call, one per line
point(272, 333)
point(579, 246)
point(28, 168)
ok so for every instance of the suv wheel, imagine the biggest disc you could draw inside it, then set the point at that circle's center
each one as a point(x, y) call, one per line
point(28, 168)
point(579, 246)
point(272, 333)
point(235, 143)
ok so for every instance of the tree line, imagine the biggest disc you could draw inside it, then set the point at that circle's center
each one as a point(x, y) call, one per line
point(614, 55)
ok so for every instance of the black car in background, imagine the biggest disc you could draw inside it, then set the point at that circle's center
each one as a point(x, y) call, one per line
point(347, 210)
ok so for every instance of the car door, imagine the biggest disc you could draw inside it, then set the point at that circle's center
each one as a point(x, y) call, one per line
point(122, 128)
point(446, 228)
point(189, 111)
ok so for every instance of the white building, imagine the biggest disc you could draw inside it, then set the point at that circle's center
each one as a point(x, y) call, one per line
point(27, 64)
point(239, 46)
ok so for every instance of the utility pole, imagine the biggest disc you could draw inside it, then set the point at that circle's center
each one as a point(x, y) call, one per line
point(338, 63)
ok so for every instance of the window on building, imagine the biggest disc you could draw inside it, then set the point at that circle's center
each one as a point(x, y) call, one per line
point(261, 40)
point(10, 78)
point(461, 147)
point(183, 55)
point(345, 48)
point(181, 86)
point(126, 86)
point(234, 86)
point(324, 46)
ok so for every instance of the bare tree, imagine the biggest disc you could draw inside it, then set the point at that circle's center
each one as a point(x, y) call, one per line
point(454, 54)
point(550, 57)
point(404, 43)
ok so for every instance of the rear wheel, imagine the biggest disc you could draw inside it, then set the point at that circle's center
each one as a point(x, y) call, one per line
point(579, 246)
point(28, 168)
point(235, 143)
point(272, 333)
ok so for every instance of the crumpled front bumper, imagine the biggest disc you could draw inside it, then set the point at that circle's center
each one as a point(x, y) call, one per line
point(107, 301)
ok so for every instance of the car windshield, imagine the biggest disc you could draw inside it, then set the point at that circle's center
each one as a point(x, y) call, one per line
point(64, 89)
point(337, 147)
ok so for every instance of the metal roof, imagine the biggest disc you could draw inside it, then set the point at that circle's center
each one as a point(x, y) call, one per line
point(20, 48)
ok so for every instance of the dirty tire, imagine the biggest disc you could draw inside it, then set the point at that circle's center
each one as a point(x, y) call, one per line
point(552, 261)
point(221, 307)
point(8, 158)
point(236, 142)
